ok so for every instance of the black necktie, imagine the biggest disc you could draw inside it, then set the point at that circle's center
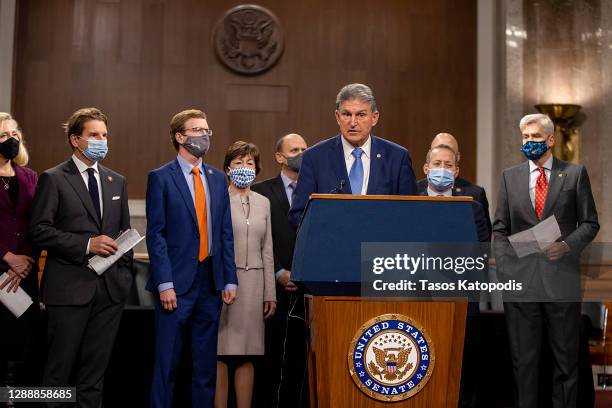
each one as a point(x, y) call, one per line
point(92, 186)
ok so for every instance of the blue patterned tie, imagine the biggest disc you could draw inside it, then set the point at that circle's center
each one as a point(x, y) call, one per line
point(92, 186)
point(356, 174)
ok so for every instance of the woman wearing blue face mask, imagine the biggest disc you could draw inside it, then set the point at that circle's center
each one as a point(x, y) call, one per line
point(241, 327)
point(18, 257)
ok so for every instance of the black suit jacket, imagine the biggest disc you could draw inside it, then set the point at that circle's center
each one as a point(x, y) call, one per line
point(283, 233)
point(62, 222)
point(463, 187)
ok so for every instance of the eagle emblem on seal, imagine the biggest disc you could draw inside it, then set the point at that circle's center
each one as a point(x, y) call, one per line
point(248, 39)
point(391, 364)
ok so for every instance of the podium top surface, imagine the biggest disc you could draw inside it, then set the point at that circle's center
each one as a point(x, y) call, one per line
point(386, 197)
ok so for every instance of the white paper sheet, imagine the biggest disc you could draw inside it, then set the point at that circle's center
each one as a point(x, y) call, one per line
point(126, 241)
point(536, 239)
point(16, 302)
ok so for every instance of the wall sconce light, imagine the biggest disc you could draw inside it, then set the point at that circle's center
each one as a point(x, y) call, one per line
point(567, 133)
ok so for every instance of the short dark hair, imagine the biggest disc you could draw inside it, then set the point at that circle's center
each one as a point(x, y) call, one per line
point(76, 122)
point(177, 124)
point(240, 149)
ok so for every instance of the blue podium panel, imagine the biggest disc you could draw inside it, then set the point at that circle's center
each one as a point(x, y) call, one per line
point(327, 253)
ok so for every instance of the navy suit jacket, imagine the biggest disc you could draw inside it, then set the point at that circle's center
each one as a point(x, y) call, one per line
point(323, 171)
point(173, 239)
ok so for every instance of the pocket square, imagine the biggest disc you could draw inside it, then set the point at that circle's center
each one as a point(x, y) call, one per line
point(116, 197)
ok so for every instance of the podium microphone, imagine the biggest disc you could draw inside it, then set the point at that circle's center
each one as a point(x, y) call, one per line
point(339, 188)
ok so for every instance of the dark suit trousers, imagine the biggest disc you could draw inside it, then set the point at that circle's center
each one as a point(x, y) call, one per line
point(281, 378)
point(525, 322)
point(82, 337)
point(200, 308)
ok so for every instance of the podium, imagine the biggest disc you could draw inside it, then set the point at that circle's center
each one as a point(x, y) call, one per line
point(327, 262)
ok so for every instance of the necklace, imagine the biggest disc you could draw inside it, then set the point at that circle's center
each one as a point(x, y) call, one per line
point(6, 184)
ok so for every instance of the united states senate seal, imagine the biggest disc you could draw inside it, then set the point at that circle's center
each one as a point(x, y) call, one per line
point(391, 357)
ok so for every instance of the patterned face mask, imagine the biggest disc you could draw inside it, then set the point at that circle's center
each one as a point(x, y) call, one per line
point(242, 177)
point(534, 150)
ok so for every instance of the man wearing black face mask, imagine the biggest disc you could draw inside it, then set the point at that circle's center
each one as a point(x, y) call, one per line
point(530, 192)
point(285, 359)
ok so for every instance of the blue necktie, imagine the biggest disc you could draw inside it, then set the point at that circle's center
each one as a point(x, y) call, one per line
point(92, 186)
point(356, 174)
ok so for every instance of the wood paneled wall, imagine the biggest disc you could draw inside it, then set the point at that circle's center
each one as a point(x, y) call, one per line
point(141, 61)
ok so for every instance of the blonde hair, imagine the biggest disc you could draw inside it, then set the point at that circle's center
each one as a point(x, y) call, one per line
point(22, 157)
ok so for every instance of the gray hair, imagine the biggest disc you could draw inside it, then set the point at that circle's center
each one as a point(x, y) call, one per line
point(440, 146)
point(356, 91)
point(539, 118)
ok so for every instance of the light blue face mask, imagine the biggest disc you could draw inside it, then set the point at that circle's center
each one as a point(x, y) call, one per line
point(96, 150)
point(441, 179)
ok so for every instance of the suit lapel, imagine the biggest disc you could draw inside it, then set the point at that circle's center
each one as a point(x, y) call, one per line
point(181, 184)
point(522, 190)
point(107, 182)
point(213, 193)
point(376, 162)
point(278, 188)
point(21, 179)
point(336, 158)
point(75, 179)
point(557, 179)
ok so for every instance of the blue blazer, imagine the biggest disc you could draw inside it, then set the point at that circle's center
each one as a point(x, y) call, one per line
point(323, 171)
point(173, 239)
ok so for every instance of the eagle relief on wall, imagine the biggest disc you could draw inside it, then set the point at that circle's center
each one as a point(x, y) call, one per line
point(248, 39)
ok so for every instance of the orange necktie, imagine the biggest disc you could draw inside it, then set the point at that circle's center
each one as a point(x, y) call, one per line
point(540, 192)
point(200, 206)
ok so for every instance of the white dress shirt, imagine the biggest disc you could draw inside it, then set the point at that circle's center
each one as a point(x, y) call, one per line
point(82, 167)
point(365, 160)
point(534, 174)
point(83, 170)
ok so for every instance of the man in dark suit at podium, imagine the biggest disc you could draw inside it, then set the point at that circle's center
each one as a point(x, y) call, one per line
point(530, 192)
point(285, 358)
point(355, 161)
point(461, 187)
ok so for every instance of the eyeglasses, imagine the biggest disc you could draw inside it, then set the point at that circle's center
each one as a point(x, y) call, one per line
point(199, 131)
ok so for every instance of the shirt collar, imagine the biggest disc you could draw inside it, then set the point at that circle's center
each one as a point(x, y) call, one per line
point(187, 167)
point(432, 193)
point(82, 166)
point(348, 148)
point(286, 180)
point(547, 165)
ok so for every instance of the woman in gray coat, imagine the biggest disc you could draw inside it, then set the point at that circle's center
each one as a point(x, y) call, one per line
point(241, 328)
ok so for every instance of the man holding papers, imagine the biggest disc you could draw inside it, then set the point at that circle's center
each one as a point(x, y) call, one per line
point(79, 208)
point(530, 193)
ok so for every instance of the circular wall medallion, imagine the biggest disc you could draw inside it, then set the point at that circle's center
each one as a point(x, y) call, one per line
point(391, 357)
point(248, 39)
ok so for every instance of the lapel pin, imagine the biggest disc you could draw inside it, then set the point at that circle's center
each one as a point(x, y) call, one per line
point(458, 189)
point(110, 178)
point(209, 171)
point(561, 174)
point(378, 156)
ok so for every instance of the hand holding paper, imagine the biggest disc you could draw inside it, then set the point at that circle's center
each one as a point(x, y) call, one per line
point(537, 239)
point(126, 241)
